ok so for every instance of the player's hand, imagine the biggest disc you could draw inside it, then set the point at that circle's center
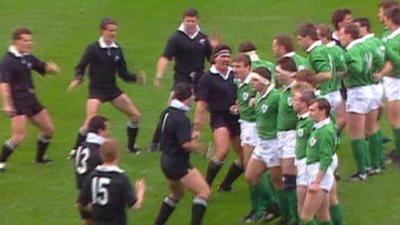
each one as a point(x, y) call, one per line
point(313, 187)
point(195, 134)
point(252, 102)
point(377, 76)
point(73, 84)
point(215, 39)
point(52, 67)
point(9, 110)
point(141, 77)
point(157, 82)
point(200, 149)
point(234, 109)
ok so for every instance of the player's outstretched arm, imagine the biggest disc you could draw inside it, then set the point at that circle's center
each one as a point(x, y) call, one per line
point(52, 68)
point(75, 82)
point(8, 108)
point(201, 107)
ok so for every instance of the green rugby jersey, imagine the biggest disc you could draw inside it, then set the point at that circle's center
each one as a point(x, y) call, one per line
point(392, 45)
point(359, 64)
point(376, 48)
point(337, 54)
point(300, 61)
point(245, 92)
point(267, 112)
point(322, 144)
point(303, 131)
point(287, 117)
point(321, 61)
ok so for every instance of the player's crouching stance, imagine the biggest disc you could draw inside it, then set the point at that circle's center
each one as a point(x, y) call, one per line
point(19, 98)
point(176, 145)
point(265, 155)
point(321, 161)
point(88, 155)
point(107, 190)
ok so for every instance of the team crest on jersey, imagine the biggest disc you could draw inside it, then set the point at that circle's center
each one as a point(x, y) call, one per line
point(300, 133)
point(289, 101)
point(202, 41)
point(313, 141)
point(117, 58)
point(264, 108)
point(245, 96)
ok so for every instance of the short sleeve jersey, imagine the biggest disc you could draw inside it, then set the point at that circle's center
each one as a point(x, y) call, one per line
point(358, 62)
point(322, 144)
point(287, 117)
point(267, 113)
point(303, 131)
point(245, 92)
point(109, 191)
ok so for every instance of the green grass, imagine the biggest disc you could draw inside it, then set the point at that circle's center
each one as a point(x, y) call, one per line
point(44, 195)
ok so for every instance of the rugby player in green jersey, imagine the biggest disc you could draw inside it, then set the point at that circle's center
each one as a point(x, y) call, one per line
point(264, 190)
point(383, 5)
point(320, 165)
point(282, 46)
point(339, 18)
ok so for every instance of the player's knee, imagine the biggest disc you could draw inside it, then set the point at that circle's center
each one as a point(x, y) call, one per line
point(289, 182)
point(250, 178)
point(204, 192)
point(18, 137)
point(177, 195)
point(49, 130)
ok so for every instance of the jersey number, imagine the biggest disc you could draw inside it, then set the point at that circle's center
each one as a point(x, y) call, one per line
point(82, 155)
point(99, 190)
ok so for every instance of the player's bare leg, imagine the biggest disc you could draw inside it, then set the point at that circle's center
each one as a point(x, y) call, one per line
point(44, 122)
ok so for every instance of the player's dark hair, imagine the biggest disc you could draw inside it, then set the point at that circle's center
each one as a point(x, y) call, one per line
point(264, 72)
point(221, 47)
point(352, 29)
point(191, 12)
point(107, 21)
point(338, 16)
point(16, 35)
point(97, 123)
point(308, 76)
point(393, 14)
point(285, 41)
point(387, 4)
point(363, 22)
point(245, 59)
point(287, 63)
point(182, 91)
point(246, 46)
point(308, 29)
point(323, 104)
point(324, 31)
point(109, 150)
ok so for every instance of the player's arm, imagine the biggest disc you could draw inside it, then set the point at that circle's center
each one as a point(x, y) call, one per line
point(185, 138)
point(201, 108)
point(170, 51)
point(162, 64)
point(140, 189)
point(80, 69)
point(323, 68)
point(355, 63)
point(8, 108)
point(123, 71)
point(325, 160)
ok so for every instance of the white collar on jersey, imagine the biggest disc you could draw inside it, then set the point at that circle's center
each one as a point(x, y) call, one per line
point(331, 44)
point(394, 33)
point(289, 54)
point(304, 115)
point(335, 36)
point(13, 50)
point(247, 80)
point(290, 85)
point(95, 138)
point(182, 28)
point(368, 36)
point(313, 45)
point(253, 56)
point(175, 103)
point(224, 76)
point(103, 44)
point(271, 86)
point(354, 42)
point(109, 168)
point(322, 123)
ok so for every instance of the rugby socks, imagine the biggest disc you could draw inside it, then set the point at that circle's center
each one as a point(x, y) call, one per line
point(213, 167)
point(80, 138)
point(256, 199)
point(7, 150)
point(284, 204)
point(43, 142)
point(375, 149)
point(336, 212)
point(325, 222)
point(312, 222)
point(289, 184)
point(382, 153)
point(358, 147)
point(132, 130)
point(233, 173)
point(167, 207)
point(199, 207)
point(267, 192)
point(396, 134)
point(367, 161)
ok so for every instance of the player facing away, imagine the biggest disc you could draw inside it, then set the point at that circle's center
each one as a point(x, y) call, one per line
point(107, 191)
point(19, 98)
point(88, 155)
point(105, 58)
point(176, 146)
